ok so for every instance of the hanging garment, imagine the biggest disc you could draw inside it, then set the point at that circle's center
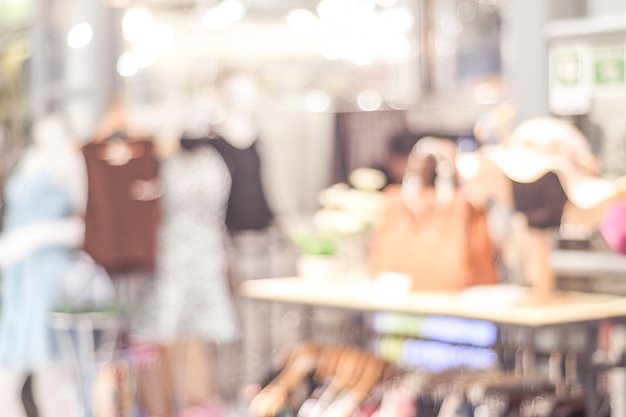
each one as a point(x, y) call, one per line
point(247, 205)
point(123, 203)
point(31, 287)
point(190, 297)
point(542, 201)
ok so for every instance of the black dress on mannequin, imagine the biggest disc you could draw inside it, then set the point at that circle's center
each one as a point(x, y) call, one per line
point(247, 205)
point(542, 201)
point(249, 221)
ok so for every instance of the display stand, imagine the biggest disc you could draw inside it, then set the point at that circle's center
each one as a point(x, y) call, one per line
point(563, 308)
point(89, 338)
point(505, 306)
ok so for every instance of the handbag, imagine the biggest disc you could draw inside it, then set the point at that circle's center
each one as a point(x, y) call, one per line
point(429, 231)
point(86, 286)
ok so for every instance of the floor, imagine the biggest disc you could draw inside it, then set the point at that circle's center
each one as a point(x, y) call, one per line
point(54, 393)
point(19, 395)
point(27, 407)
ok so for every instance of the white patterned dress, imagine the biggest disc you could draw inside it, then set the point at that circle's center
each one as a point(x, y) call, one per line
point(190, 296)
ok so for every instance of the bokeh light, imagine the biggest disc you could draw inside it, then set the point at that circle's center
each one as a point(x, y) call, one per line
point(80, 35)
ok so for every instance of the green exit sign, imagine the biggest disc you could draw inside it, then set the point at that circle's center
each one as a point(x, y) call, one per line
point(608, 65)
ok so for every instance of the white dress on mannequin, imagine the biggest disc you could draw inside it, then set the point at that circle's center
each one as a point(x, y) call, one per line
point(190, 298)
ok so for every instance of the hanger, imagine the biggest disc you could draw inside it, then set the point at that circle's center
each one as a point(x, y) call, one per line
point(327, 362)
point(274, 396)
point(347, 400)
point(121, 143)
point(198, 137)
point(371, 375)
point(348, 369)
point(118, 134)
point(114, 124)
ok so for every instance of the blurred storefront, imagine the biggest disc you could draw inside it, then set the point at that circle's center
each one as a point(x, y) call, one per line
point(311, 61)
point(15, 53)
point(333, 82)
point(442, 63)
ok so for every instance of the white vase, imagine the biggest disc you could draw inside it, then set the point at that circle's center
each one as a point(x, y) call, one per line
point(354, 253)
point(318, 267)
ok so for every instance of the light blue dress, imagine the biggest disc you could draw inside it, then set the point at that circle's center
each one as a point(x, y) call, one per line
point(31, 287)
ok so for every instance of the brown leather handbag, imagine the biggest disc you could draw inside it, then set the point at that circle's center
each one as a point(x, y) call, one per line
point(429, 230)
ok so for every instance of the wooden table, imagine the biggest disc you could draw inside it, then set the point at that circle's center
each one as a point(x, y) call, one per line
point(500, 304)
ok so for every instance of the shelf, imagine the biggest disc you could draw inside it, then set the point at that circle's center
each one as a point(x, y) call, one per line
point(501, 304)
point(577, 263)
point(586, 27)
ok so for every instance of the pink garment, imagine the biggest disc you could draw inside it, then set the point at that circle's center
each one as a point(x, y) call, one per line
point(613, 227)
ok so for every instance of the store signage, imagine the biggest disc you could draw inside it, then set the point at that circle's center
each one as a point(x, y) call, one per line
point(580, 71)
point(608, 68)
point(569, 90)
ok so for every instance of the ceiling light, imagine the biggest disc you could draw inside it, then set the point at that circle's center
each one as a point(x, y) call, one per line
point(369, 100)
point(303, 22)
point(127, 64)
point(80, 35)
point(136, 23)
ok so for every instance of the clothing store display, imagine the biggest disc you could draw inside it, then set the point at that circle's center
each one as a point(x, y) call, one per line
point(430, 231)
point(249, 222)
point(42, 229)
point(31, 287)
point(123, 207)
point(190, 296)
point(442, 250)
point(337, 381)
point(247, 204)
point(541, 201)
point(86, 286)
point(548, 144)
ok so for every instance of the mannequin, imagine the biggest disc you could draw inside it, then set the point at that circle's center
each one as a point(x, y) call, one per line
point(240, 97)
point(51, 151)
point(45, 195)
point(188, 308)
point(249, 218)
point(236, 140)
point(545, 173)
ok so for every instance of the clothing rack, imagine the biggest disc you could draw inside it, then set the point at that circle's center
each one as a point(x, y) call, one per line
point(342, 380)
point(332, 379)
point(88, 338)
point(574, 319)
